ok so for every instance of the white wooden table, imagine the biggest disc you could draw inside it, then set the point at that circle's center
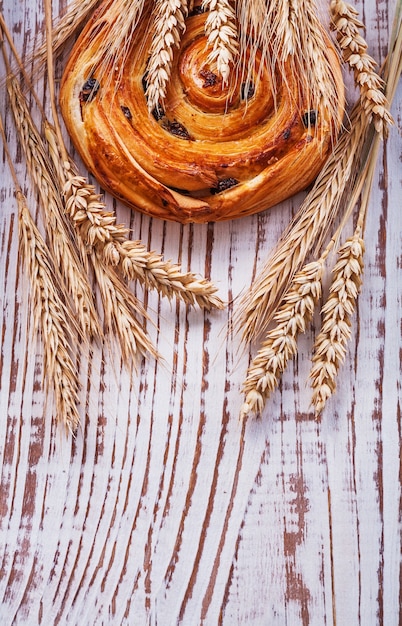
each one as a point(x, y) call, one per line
point(165, 508)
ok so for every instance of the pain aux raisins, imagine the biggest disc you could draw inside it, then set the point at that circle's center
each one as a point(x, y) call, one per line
point(89, 90)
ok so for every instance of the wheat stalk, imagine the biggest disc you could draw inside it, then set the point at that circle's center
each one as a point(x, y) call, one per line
point(167, 29)
point(98, 229)
point(354, 51)
point(330, 347)
point(280, 344)
point(330, 344)
point(221, 31)
point(59, 233)
point(120, 307)
point(99, 236)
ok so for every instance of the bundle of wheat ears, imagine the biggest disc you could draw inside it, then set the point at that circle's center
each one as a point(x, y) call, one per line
point(267, 67)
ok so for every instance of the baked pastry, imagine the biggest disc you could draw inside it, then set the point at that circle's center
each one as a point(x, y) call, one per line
point(213, 151)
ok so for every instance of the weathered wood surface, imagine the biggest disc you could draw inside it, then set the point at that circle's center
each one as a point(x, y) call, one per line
point(166, 509)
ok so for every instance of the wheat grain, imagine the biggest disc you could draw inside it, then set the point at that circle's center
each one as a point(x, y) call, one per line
point(221, 31)
point(330, 344)
point(167, 29)
point(280, 344)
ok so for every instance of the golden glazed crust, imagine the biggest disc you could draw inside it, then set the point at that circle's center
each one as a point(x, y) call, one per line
point(211, 154)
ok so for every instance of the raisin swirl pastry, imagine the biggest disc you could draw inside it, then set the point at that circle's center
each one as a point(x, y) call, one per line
point(213, 152)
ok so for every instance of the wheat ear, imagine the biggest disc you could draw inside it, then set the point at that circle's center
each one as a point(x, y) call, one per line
point(302, 42)
point(354, 50)
point(289, 32)
point(221, 31)
point(280, 344)
point(97, 228)
point(167, 29)
point(315, 216)
point(121, 308)
point(330, 344)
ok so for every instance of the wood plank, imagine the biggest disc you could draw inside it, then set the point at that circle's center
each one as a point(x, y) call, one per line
point(165, 508)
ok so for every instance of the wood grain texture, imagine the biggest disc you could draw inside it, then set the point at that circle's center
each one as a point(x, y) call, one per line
point(165, 509)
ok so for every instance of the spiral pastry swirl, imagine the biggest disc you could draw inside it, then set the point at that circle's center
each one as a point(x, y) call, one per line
point(211, 151)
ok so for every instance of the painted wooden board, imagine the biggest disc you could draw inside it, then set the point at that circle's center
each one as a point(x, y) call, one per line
point(165, 508)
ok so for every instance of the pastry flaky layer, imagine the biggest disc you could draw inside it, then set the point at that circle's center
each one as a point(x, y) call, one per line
point(210, 151)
